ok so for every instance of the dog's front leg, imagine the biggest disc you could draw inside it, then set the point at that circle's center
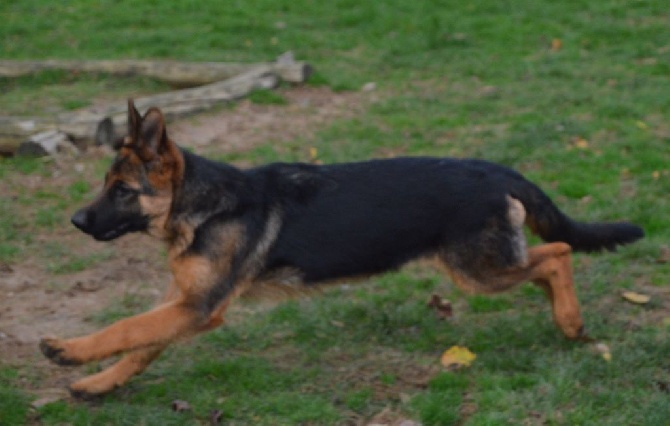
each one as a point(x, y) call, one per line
point(129, 365)
point(196, 277)
point(202, 289)
point(159, 326)
point(136, 361)
point(117, 374)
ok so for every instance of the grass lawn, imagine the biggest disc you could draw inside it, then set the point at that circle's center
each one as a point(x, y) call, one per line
point(574, 94)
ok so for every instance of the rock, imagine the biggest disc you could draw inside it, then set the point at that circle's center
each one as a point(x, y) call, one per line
point(46, 143)
point(47, 396)
point(105, 133)
point(369, 87)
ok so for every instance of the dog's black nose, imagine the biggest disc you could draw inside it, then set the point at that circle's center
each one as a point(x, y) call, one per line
point(80, 219)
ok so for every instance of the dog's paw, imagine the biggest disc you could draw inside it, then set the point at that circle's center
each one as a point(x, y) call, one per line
point(91, 388)
point(83, 394)
point(54, 349)
point(581, 336)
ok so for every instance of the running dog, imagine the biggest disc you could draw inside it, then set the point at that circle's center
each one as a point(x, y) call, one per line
point(229, 231)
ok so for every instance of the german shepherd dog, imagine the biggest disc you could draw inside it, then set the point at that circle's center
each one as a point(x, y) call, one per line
point(229, 230)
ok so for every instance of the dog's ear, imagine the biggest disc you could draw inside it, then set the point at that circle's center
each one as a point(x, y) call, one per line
point(153, 133)
point(134, 120)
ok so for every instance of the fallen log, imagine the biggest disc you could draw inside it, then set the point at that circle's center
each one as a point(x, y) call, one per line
point(178, 74)
point(83, 125)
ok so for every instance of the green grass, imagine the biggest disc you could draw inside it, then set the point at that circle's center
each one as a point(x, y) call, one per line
point(121, 308)
point(51, 91)
point(13, 402)
point(468, 79)
point(266, 97)
point(63, 261)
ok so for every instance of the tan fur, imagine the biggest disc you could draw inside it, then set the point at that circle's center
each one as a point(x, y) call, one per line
point(161, 325)
point(130, 364)
point(516, 215)
point(157, 207)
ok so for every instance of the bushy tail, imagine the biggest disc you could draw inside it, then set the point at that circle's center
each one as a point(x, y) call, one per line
point(547, 221)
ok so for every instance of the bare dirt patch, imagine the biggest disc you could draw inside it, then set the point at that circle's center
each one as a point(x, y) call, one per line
point(248, 125)
point(35, 302)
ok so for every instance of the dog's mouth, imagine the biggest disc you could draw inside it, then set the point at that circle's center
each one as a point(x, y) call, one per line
point(113, 233)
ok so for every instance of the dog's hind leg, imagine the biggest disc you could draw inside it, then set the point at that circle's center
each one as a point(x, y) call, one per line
point(549, 267)
point(497, 258)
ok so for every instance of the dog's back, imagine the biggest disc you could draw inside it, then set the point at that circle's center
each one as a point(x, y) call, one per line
point(368, 217)
point(363, 218)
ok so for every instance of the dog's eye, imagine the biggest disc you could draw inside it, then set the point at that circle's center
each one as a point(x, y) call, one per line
point(123, 188)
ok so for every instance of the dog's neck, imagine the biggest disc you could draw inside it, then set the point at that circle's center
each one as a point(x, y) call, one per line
point(206, 189)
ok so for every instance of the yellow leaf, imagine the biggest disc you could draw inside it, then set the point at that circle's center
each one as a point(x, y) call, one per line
point(604, 351)
point(637, 298)
point(581, 143)
point(556, 44)
point(456, 357)
point(642, 125)
point(313, 153)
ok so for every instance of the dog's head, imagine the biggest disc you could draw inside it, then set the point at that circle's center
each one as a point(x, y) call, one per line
point(138, 189)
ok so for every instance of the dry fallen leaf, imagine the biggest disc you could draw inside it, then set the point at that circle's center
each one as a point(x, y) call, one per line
point(581, 143)
point(456, 357)
point(663, 386)
point(637, 298)
point(441, 306)
point(313, 156)
point(664, 254)
point(178, 405)
point(604, 351)
point(556, 44)
point(369, 86)
point(215, 417)
point(586, 199)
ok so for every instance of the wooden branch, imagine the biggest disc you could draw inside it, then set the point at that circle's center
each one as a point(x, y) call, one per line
point(179, 74)
point(219, 83)
point(83, 125)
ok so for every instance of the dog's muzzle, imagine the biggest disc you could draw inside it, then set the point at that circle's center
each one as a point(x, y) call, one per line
point(83, 219)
